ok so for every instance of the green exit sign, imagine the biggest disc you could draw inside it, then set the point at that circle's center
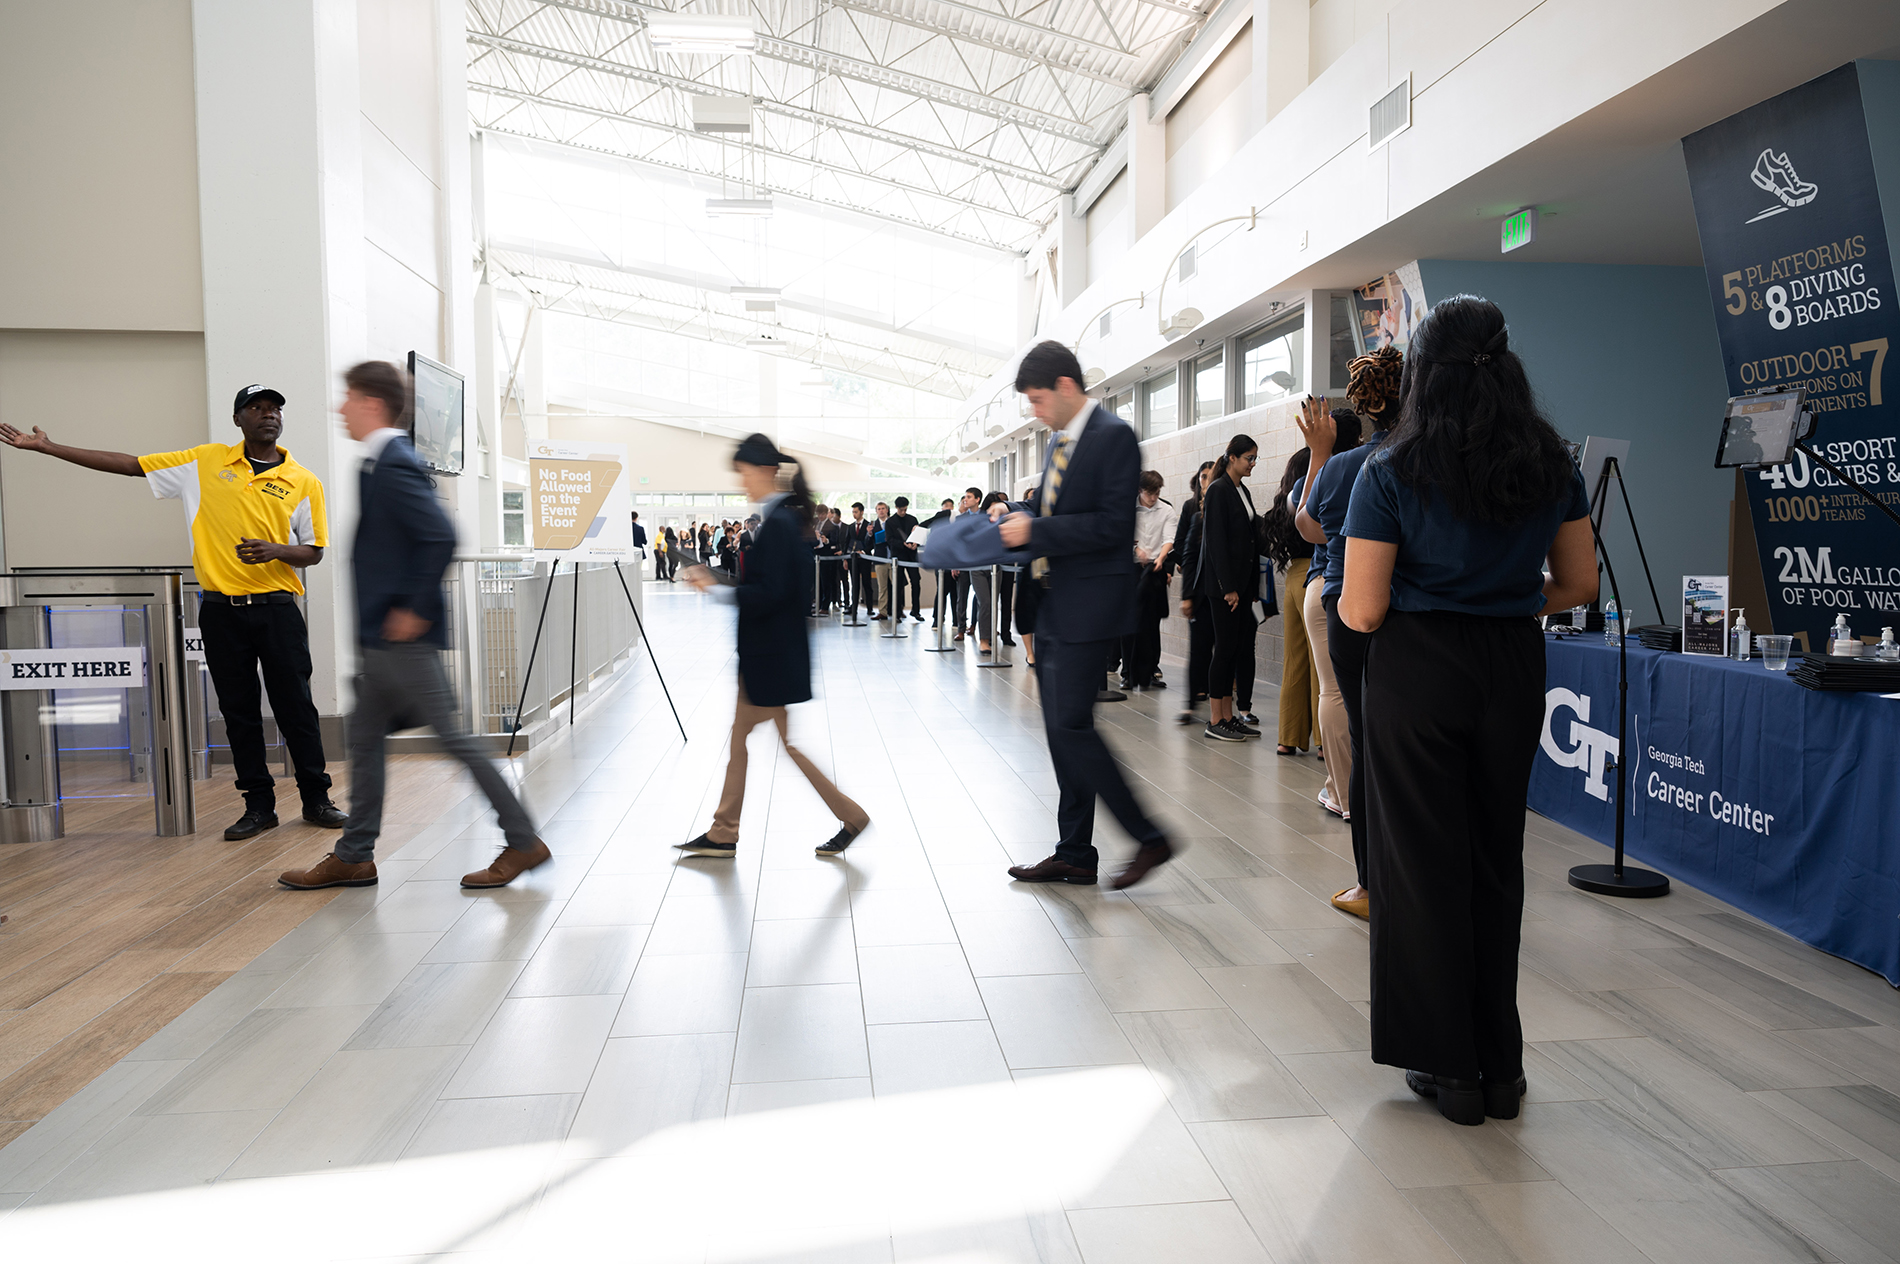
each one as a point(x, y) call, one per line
point(1519, 229)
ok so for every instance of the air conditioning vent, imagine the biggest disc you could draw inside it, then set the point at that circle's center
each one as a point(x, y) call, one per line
point(1186, 266)
point(1106, 324)
point(1391, 114)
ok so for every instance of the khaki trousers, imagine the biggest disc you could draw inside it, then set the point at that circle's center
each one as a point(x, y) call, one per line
point(1333, 730)
point(883, 569)
point(1299, 686)
point(746, 717)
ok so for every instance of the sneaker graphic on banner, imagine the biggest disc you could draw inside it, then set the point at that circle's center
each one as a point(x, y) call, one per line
point(1774, 173)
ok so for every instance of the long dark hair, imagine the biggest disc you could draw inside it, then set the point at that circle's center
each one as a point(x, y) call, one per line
point(1199, 484)
point(1469, 427)
point(1239, 445)
point(1282, 537)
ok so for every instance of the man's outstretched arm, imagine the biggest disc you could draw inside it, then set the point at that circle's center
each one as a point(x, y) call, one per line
point(107, 462)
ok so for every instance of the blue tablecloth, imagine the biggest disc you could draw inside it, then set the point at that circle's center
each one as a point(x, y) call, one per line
point(1781, 800)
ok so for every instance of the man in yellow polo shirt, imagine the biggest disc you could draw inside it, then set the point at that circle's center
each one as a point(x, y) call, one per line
point(256, 517)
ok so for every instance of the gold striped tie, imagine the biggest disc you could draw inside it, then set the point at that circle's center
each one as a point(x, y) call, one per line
point(1058, 462)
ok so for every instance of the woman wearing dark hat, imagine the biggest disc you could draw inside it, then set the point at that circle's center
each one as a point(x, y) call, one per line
point(773, 592)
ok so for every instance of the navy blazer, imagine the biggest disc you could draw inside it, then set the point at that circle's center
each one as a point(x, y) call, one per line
point(774, 599)
point(1089, 538)
point(404, 542)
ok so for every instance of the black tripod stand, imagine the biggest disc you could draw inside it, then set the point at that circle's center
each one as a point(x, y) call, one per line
point(573, 698)
point(1617, 879)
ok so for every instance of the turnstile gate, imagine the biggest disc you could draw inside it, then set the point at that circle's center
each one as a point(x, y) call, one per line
point(152, 673)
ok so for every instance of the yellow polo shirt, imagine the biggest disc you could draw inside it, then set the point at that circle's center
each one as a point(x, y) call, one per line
point(225, 503)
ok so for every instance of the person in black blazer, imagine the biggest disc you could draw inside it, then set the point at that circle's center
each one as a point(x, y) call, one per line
point(1082, 537)
point(403, 544)
point(774, 596)
point(1230, 579)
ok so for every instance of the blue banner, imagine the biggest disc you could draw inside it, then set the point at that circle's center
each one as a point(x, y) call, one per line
point(1796, 249)
point(1781, 800)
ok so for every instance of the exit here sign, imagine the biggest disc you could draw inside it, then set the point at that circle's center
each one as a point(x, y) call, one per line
point(1519, 229)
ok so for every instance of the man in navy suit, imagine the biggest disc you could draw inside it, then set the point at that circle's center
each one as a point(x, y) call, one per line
point(1081, 532)
point(403, 544)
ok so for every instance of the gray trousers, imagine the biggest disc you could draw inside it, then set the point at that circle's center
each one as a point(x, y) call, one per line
point(401, 687)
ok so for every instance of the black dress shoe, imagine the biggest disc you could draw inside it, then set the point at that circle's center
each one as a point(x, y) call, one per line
point(1150, 855)
point(250, 825)
point(1460, 1101)
point(326, 814)
point(1110, 695)
point(1053, 870)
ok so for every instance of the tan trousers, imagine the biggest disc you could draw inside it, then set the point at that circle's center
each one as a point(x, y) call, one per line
point(745, 718)
point(1299, 686)
point(1332, 708)
point(883, 570)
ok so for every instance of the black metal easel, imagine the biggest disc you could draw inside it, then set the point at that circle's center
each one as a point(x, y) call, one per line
point(573, 642)
point(1618, 879)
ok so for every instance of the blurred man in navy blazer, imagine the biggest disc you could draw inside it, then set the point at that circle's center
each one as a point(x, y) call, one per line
point(1081, 532)
point(403, 544)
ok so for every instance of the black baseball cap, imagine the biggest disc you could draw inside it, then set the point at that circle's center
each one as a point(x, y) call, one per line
point(251, 392)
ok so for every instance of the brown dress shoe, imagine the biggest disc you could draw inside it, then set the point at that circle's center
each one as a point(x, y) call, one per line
point(508, 866)
point(1053, 870)
point(1150, 855)
point(330, 872)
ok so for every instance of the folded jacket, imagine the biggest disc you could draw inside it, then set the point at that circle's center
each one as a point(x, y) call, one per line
point(968, 542)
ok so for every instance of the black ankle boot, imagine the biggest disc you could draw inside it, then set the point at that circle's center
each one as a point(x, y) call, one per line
point(1461, 1101)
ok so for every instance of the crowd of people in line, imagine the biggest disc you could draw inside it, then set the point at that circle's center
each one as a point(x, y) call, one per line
point(1416, 534)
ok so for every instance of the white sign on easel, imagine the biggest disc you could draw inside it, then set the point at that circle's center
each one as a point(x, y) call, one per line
point(578, 505)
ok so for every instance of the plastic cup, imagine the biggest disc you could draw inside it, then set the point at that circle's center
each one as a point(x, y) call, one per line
point(1774, 651)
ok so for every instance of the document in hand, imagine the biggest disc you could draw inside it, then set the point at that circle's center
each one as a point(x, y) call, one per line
point(919, 536)
point(968, 542)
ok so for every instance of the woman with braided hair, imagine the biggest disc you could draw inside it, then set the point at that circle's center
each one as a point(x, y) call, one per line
point(1452, 521)
point(1373, 390)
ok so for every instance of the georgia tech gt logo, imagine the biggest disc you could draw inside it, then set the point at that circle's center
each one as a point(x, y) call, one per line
point(1590, 747)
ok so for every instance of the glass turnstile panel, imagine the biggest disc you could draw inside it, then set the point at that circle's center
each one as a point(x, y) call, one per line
point(103, 736)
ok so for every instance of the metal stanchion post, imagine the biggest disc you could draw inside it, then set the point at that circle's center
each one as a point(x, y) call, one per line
point(939, 609)
point(999, 620)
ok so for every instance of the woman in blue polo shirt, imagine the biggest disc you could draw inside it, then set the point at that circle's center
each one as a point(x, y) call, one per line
point(1450, 525)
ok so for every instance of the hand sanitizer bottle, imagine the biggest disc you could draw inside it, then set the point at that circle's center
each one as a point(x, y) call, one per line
point(1741, 642)
point(1612, 624)
point(1841, 640)
point(1888, 651)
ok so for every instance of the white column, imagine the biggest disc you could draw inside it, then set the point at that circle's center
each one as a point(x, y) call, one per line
point(1147, 168)
point(281, 224)
point(454, 215)
point(768, 395)
point(533, 381)
point(1280, 49)
point(1028, 300)
point(1072, 252)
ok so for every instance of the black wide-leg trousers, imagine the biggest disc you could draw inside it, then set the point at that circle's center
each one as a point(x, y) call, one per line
point(1347, 649)
point(1452, 709)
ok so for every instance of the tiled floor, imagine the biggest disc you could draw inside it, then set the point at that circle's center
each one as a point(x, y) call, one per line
point(899, 1055)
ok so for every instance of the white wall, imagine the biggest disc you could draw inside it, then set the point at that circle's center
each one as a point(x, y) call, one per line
point(1336, 25)
point(1212, 121)
point(100, 299)
point(1495, 81)
point(99, 215)
point(1108, 230)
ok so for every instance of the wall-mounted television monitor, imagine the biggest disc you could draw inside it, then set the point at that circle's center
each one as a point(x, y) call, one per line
point(436, 419)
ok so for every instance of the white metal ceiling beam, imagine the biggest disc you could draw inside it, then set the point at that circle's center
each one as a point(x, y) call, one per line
point(719, 285)
point(1074, 62)
point(972, 239)
point(818, 164)
point(823, 61)
point(869, 131)
point(931, 377)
